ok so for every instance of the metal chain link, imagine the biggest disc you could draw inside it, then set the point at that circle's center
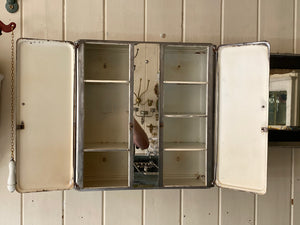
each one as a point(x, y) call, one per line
point(12, 109)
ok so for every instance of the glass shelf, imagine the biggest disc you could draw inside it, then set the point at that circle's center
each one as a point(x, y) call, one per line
point(186, 82)
point(107, 81)
point(100, 147)
point(184, 115)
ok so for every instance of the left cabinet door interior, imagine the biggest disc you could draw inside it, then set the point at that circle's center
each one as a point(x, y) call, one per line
point(45, 86)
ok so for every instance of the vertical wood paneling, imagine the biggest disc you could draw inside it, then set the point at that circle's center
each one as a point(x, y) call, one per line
point(240, 21)
point(123, 207)
point(125, 20)
point(297, 187)
point(274, 207)
point(297, 27)
point(84, 19)
point(163, 20)
point(83, 208)
point(277, 24)
point(43, 208)
point(237, 207)
point(43, 19)
point(10, 204)
point(162, 207)
point(202, 21)
point(200, 205)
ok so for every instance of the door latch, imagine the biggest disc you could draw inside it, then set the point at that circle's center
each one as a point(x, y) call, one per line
point(264, 129)
point(21, 126)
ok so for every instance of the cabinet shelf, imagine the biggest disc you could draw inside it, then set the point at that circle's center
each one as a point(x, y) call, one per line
point(186, 82)
point(184, 115)
point(184, 182)
point(184, 146)
point(103, 147)
point(107, 81)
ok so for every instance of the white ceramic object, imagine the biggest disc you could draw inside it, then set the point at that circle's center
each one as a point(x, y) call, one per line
point(11, 181)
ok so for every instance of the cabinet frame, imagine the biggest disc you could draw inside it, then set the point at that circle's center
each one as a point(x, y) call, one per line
point(211, 123)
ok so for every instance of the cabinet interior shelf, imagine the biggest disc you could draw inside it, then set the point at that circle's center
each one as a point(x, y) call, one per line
point(107, 81)
point(102, 147)
point(184, 146)
point(183, 182)
point(184, 115)
point(185, 82)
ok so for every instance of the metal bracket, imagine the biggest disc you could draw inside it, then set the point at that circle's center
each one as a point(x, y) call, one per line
point(264, 129)
point(12, 6)
point(21, 126)
point(7, 28)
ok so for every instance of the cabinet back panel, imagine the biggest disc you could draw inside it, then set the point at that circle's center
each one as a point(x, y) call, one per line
point(106, 62)
point(106, 113)
point(184, 98)
point(105, 169)
point(184, 168)
point(185, 129)
point(185, 63)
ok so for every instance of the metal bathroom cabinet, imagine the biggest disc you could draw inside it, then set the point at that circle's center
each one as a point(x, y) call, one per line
point(76, 103)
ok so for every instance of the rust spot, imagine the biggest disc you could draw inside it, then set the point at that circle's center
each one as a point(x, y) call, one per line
point(292, 201)
point(104, 159)
point(178, 67)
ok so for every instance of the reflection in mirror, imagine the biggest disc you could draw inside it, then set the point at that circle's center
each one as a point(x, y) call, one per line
point(145, 108)
point(284, 98)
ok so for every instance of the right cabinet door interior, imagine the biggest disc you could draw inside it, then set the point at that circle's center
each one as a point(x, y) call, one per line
point(242, 115)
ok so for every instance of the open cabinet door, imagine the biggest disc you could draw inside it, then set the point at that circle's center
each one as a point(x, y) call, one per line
point(45, 73)
point(242, 109)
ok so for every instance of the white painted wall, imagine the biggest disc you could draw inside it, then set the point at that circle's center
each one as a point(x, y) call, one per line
point(216, 21)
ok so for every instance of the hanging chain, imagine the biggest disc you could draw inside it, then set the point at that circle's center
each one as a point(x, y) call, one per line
point(12, 109)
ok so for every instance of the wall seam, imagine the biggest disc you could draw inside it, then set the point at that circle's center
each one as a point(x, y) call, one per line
point(143, 207)
point(255, 209)
point(22, 209)
point(183, 23)
point(219, 206)
point(258, 20)
point(21, 19)
point(180, 207)
point(145, 19)
point(104, 19)
point(64, 20)
point(292, 187)
point(222, 22)
point(63, 208)
point(103, 208)
point(295, 26)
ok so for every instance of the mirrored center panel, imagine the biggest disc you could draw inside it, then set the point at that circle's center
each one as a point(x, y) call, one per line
point(144, 115)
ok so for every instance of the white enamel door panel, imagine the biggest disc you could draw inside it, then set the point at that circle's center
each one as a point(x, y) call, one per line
point(243, 91)
point(45, 105)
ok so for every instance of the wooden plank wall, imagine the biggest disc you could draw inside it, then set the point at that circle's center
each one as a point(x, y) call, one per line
point(216, 21)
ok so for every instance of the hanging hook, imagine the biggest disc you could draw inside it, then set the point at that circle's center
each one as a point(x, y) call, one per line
point(7, 28)
point(12, 6)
